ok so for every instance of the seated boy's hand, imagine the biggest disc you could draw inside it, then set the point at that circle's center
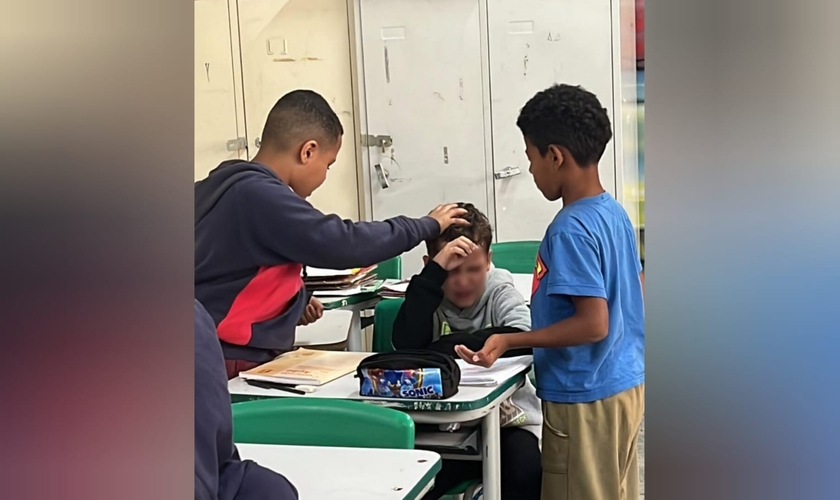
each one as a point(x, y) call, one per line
point(454, 253)
point(494, 348)
point(447, 215)
point(312, 312)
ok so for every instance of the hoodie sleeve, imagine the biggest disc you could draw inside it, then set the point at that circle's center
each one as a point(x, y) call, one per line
point(282, 223)
point(414, 326)
point(509, 309)
point(219, 472)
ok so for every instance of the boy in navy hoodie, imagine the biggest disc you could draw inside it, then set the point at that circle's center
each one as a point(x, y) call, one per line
point(254, 231)
point(219, 472)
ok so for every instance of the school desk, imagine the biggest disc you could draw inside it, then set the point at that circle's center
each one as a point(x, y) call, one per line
point(356, 304)
point(331, 329)
point(471, 403)
point(328, 473)
point(523, 283)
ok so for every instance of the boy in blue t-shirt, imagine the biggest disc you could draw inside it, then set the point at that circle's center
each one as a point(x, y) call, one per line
point(587, 311)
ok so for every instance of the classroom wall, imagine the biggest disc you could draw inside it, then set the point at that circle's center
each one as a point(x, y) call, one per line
point(216, 113)
point(290, 44)
point(315, 55)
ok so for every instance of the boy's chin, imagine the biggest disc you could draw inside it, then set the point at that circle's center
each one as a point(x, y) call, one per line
point(554, 196)
point(462, 303)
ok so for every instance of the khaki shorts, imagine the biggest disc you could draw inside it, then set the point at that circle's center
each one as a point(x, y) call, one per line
point(589, 449)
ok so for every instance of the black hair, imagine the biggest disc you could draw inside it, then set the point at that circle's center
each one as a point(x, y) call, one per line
point(299, 116)
point(567, 116)
point(479, 231)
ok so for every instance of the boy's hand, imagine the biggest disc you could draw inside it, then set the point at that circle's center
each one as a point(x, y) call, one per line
point(447, 215)
point(494, 348)
point(454, 253)
point(312, 312)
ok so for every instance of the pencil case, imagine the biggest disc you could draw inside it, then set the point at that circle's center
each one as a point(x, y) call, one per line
point(409, 374)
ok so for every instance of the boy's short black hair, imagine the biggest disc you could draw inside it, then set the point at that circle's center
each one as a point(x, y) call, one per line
point(479, 231)
point(567, 116)
point(299, 116)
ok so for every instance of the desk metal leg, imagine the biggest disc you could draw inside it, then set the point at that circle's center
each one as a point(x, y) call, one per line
point(354, 342)
point(490, 455)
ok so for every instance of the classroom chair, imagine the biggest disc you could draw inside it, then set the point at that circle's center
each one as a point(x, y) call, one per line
point(386, 270)
point(383, 326)
point(321, 422)
point(518, 257)
point(390, 269)
point(383, 323)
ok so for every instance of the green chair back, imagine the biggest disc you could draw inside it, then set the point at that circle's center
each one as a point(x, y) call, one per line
point(385, 314)
point(518, 257)
point(383, 323)
point(390, 269)
point(321, 422)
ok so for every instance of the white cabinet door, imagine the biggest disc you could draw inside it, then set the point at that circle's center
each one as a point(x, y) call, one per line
point(534, 44)
point(301, 44)
point(216, 109)
point(422, 75)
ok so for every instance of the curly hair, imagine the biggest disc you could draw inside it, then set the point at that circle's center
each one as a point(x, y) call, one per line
point(301, 115)
point(479, 231)
point(567, 116)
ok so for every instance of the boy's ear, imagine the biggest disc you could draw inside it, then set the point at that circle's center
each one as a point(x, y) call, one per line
point(555, 154)
point(307, 151)
point(489, 259)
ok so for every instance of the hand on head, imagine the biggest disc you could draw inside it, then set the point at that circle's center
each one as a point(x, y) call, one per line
point(447, 215)
point(454, 253)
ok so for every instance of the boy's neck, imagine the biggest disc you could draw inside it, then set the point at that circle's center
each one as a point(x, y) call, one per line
point(587, 184)
point(277, 164)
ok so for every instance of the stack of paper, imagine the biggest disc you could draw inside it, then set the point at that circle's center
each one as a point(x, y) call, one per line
point(393, 289)
point(306, 367)
point(339, 283)
point(502, 370)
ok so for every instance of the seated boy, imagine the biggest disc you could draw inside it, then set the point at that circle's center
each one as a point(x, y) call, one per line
point(587, 308)
point(254, 230)
point(459, 291)
point(219, 472)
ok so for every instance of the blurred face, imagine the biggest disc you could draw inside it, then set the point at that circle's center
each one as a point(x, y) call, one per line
point(315, 160)
point(467, 282)
point(546, 169)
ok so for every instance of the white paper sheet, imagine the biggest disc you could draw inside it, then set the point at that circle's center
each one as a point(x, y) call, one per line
point(502, 370)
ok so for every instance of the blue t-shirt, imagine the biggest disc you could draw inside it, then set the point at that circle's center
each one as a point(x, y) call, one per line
point(589, 250)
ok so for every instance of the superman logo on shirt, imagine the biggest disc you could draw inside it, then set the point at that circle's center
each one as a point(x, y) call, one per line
point(539, 271)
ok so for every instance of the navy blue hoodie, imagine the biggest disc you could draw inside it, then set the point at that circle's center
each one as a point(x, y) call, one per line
point(253, 234)
point(219, 472)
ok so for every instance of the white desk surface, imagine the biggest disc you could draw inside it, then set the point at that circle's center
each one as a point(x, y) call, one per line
point(523, 283)
point(327, 473)
point(332, 328)
point(347, 387)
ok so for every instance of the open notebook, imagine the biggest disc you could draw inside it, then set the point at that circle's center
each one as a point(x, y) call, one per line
point(306, 367)
point(502, 370)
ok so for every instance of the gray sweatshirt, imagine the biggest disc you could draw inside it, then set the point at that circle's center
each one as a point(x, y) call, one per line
point(500, 305)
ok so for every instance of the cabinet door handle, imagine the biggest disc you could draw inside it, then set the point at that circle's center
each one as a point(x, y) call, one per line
point(507, 172)
point(382, 175)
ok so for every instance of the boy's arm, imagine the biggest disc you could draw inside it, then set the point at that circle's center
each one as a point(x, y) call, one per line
point(285, 224)
point(414, 325)
point(589, 324)
point(574, 271)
